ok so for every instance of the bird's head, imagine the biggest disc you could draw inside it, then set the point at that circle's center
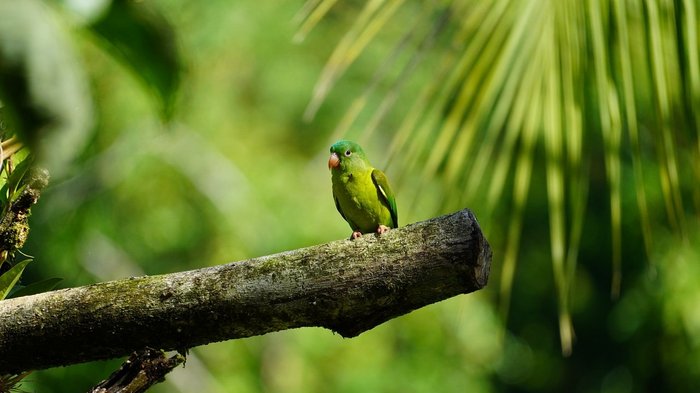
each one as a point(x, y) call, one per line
point(346, 154)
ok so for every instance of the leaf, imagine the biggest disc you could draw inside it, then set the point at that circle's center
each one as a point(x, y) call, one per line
point(312, 12)
point(521, 187)
point(42, 84)
point(374, 16)
point(15, 178)
point(616, 79)
point(10, 278)
point(36, 287)
point(145, 42)
point(662, 68)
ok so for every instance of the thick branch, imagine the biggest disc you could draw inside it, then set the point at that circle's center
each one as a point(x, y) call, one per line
point(346, 286)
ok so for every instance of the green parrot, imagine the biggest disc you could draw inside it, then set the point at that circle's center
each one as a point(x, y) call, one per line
point(361, 192)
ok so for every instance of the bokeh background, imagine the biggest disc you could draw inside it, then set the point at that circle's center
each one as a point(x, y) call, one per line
point(569, 127)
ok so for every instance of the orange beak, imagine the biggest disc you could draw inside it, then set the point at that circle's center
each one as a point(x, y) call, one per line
point(333, 161)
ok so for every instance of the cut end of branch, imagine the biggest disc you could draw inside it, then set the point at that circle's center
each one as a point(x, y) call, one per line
point(464, 263)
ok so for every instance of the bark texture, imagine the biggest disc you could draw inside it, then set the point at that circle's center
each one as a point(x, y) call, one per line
point(346, 286)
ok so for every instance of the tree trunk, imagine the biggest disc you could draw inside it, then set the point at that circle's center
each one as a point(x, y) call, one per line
point(346, 286)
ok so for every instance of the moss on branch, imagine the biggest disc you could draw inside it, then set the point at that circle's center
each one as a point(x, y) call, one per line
point(346, 286)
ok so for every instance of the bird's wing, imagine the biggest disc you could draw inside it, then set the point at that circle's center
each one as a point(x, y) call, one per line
point(382, 184)
point(337, 206)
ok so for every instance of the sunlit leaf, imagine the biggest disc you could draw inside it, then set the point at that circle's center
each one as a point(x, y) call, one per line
point(373, 17)
point(660, 63)
point(521, 189)
point(630, 117)
point(309, 16)
point(497, 83)
point(494, 115)
point(554, 147)
point(10, 278)
point(612, 129)
point(568, 18)
point(428, 35)
point(15, 178)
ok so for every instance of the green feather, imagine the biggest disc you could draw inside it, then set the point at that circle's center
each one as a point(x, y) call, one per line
point(361, 193)
point(382, 184)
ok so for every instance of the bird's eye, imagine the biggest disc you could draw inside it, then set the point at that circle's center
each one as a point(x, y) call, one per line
point(347, 153)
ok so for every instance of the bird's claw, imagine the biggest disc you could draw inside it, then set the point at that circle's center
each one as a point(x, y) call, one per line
point(380, 230)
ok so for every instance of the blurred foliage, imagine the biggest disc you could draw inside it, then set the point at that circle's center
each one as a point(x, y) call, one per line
point(569, 127)
point(510, 77)
point(44, 91)
point(146, 42)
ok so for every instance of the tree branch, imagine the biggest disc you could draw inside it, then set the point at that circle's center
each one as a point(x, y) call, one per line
point(346, 286)
point(142, 370)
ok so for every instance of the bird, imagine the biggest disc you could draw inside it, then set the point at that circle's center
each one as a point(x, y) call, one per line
point(361, 192)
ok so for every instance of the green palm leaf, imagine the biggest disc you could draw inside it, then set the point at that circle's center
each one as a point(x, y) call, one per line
point(589, 81)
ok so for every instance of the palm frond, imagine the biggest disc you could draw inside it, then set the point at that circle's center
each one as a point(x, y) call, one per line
point(505, 74)
point(309, 15)
point(526, 124)
point(369, 23)
point(661, 65)
point(627, 90)
point(609, 117)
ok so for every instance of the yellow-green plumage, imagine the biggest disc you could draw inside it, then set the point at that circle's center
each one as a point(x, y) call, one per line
point(362, 193)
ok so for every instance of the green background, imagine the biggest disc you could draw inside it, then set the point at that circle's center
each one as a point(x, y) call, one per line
point(233, 171)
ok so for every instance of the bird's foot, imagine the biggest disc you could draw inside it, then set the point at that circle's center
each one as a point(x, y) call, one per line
point(356, 235)
point(381, 229)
